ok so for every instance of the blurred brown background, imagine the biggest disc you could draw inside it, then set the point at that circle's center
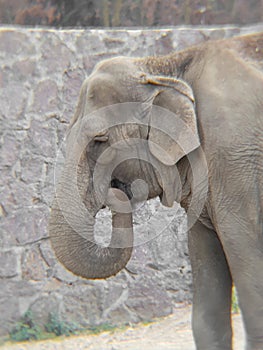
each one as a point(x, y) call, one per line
point(115, 13)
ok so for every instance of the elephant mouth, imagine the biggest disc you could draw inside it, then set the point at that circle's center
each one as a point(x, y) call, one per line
point(126, 188)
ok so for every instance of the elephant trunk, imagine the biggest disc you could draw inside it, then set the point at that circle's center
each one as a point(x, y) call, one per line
point(71, 229)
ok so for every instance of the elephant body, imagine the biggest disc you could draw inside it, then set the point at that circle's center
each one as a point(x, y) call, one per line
point(197, 139)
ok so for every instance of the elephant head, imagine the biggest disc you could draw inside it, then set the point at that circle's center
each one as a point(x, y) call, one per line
point(135, 119)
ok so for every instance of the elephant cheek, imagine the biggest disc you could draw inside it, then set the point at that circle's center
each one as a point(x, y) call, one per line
point(107, 156)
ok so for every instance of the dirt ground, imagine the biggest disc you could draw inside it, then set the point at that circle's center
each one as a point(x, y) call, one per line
point(173, 333)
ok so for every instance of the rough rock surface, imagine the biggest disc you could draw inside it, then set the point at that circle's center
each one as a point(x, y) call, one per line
point(40, 77)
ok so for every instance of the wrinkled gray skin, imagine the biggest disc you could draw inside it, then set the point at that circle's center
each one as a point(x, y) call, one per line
point(226, 242)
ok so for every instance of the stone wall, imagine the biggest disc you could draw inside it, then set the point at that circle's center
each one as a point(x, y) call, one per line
point(41, 74)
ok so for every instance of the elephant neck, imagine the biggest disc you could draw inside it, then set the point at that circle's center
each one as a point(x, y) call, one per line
point(159, 65)
point(186, 64)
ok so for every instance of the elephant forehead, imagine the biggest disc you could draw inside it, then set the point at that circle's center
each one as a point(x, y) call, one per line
point(116, 65)
point(116, 78)
point(102, 88)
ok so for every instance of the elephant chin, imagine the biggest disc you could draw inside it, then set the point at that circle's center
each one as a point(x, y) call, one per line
point(83, 256)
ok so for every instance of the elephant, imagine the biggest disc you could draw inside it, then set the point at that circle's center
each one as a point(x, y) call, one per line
point(189, 127)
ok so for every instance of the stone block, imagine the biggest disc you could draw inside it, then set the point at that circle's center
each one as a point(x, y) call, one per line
point(114, 296)
point(16, 94)
point(31, 168)
point(45, 97)
point(7, 201)
point(33, 265)
point(48, 253)
point(120, 315)
point(55, 55)
point(62, 274)
point(41, 139)
point(25, 69)
point(23, 193)
point(90, 43)
point(16, 297)
point(10, 263)
point(164, 43)
point(148, 300)
point(47, 185)
point(72, 81)
point(10, 150)
point(82, 304)
point(28, 225)
point(14, 43)
point(44, 306)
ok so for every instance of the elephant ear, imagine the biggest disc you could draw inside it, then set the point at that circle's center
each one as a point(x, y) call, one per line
point(172, 135)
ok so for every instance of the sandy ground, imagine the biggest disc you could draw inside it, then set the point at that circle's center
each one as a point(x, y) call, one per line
point(173, 333)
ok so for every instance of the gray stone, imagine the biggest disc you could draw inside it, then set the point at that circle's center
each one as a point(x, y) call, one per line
point(45, 97)
point(60, 272)
point(90, 42)
point(56, 56)
point(15, 299)
point(45, 305)
point(120, 315)
point(28, 225)
point(31, 168)
point(14, 43)
point(164, 43)
point(82, 304)
point(9, 263)
point(10, 150)
point(114, 295)
point(147, 300)
point(33, 266)
point(72, 81)
point(25, 69)
point(16, 94)
point(3, 212)
point(47, 253)
point(47, 184)
point(41, 139)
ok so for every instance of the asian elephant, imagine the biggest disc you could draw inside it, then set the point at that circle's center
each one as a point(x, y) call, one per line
point(195, 120)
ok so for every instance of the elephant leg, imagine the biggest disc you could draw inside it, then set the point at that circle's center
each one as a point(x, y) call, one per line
point(243, 245)
point(212, 287)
